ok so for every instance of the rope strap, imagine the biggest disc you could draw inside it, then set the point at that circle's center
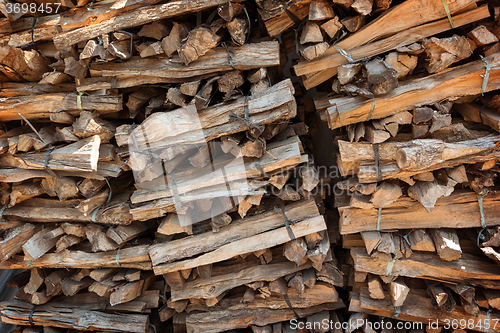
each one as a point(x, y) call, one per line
point(397, 312)
point(287, 301)
point(378, 170)
point(94, 214)
point(229, 52)
point(46, 166)
point(390, 266)
point(30, 264)
point(344, 53)
point(487, 321)
point(447, 10)
point(379, 217)
point(79, 101)
point(291, 15)
point(287, 222)
point(1, 212)
point(260, 168)
point(118, 258)
point(154, 327)
point(131, 40)
point(486, 75)
point(371, 111)
point(31, 315)
point(480, 236)
point(175, 191)
point(247, 117)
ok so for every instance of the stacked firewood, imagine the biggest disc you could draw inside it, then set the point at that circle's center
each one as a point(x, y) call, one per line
point(154, 175)
point(417, 143)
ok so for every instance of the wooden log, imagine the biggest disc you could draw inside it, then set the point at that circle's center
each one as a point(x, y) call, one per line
point(428, 193)
point(41, 242)
point(469, 269)
point(375, 288)
point(442, 52)
point(14, 239)
point(420, 240)
point(348, 110)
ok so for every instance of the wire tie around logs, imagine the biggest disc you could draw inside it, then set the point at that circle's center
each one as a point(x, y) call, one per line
point(249, 22)
point(31, 315)
point(447, 10)
point(118, 258)
point(154, 327)
point(379, 217)
point(390, 266)
point(486, 75)
point(405, 237)
point(487, 321)
point(30, 264)
point(46, 166)
point(378, 170)
point(480, 236)
point(371, 111)
point(32, 36)
point(175, 191)
point(94, 214)
point(344, 54)
point(260, 168)
point(131, 40)
point(291, 15)
point(31, 126)
point(1, 212)
point(79, 101)
point(287, 222)
point(247, 117)
point(287, 301)
point(230, 59)
point(397, 312)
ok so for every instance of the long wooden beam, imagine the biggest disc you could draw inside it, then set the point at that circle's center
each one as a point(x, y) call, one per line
point(459, 210)
point(473, 270)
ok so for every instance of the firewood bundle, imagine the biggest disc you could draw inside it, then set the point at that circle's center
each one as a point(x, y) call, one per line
point(153, 173)
point(417, 141)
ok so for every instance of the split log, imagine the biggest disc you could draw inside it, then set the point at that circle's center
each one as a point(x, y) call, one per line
point(248, 56)
point(132, 257)
point(447, 244)
point(398, 290)
point(20, 313)
point(277, 19)
point(44, 105)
